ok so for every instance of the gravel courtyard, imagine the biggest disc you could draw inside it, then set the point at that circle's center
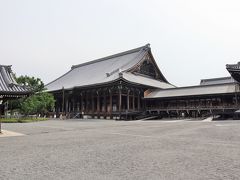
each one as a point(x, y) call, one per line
point(105, 149)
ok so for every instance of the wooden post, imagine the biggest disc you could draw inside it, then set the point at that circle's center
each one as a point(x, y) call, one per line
point(110, 98)
point(58, 110)
point(138, 101)
point(81, 102)
point(69, 105)
point(105, 104)
point(86, 102)
point(120, 101)
point(128, 100)
point(92, 103)
point(98, 104)
point(133, 101)
point(73, 104)
point(66, 105)
point(78, 108)
point(63, 99)
point(236, 97)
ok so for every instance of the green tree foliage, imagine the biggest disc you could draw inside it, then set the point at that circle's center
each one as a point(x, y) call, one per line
point(39, 103)
point(34, 83)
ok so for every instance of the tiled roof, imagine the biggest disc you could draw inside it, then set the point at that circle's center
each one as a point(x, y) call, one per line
point(194, 91)
point(8, 85)
point(217, 81)
point(106, 70)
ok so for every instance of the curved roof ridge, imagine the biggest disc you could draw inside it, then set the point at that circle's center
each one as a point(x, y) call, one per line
point(99, 60)
point(111, 56)
point(59, 77)
point(218, 78)
point(195, 86)
point(7, 82)
point(142, 51)
point(196, 90)
point(8, 66)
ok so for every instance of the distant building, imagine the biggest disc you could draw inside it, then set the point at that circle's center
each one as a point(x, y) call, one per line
point(9, 89)
point(234, 70)
point(130, 84)
point(213, 96)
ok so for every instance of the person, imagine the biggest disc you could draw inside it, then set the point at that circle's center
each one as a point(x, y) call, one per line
point(183, 114)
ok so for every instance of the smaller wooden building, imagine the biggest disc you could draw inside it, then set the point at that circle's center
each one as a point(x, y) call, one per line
point(9, 89)
point(218, 96)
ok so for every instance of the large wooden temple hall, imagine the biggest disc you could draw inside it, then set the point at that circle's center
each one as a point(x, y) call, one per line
point(130, 84)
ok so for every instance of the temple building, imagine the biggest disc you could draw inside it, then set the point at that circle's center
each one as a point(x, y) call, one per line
point(9, 89)
point(110, 87)
point(129, 85)
point(234, 70)
point(218, 96)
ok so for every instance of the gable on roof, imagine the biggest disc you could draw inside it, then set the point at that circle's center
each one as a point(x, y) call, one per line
point(107, 70)
point(148, 67)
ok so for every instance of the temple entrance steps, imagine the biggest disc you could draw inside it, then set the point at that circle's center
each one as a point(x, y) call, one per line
point(209, 119)
point(149, 118)
point(78, 115)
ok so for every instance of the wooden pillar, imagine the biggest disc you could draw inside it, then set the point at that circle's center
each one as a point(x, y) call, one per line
point(133, 101)
point(86, 102)
point(92, 103)
point(128, 100)
point(78, 107)
point(69, 105)
point(98, 104)
point(105, 104)
point(66, 105)
point(139, 101)
point(120, 101)
point(110, 100)
point(73, 104)
point(82, 109)
point(59, 109)
point(63, 100)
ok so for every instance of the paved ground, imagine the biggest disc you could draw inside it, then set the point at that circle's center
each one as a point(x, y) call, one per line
point(5, 133)
point(104, 149)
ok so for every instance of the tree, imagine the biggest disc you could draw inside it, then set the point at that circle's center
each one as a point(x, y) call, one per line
point(34, 83)
point(37, 104)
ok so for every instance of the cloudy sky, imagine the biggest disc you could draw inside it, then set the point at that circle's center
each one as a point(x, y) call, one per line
point(190, 39)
